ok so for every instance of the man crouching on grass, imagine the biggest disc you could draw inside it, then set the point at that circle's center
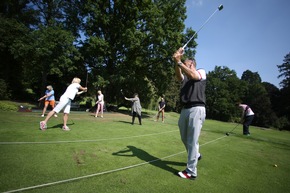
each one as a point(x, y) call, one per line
point(192, 116)
point(65, 103)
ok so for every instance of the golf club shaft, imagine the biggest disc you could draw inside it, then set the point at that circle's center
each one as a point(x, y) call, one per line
point(218, 9)
point(87, 79)
point(234, 127)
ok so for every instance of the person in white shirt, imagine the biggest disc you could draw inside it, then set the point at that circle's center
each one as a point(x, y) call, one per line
point(100, 104)
point(65, 103)
point(247, 117)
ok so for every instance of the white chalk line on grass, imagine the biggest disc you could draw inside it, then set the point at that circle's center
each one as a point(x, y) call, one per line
point(105, 172)
point(81, 141)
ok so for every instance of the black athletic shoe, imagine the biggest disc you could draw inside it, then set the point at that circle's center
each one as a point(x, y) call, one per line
point(199, 158)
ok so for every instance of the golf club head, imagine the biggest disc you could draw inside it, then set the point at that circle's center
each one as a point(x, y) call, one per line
point(220, 7)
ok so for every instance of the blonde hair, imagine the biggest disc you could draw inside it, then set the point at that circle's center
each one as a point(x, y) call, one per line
point(76, 80)
point(49, 87)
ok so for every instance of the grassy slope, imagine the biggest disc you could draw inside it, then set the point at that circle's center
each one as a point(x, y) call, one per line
point(230, 164)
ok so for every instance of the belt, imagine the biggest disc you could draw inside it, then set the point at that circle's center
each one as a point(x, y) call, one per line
point(193, 104)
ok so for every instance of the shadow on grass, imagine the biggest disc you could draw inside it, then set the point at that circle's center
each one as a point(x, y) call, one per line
point(59, 126)
point(127, 122)
point(128, 112)
point(132, 151)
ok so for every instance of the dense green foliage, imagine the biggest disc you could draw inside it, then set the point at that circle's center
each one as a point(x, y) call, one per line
point(125, 44)
point(7, 106)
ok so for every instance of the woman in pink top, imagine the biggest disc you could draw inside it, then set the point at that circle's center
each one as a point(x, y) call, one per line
point(247, 118)
point(100, 104)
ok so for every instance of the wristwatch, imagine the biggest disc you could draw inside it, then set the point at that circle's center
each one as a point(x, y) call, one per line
point(179, 63)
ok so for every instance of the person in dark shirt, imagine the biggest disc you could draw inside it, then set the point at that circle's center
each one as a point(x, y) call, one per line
point(192, 116)
point(161, 109)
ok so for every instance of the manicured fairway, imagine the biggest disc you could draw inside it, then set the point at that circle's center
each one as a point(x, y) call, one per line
point(111, 155)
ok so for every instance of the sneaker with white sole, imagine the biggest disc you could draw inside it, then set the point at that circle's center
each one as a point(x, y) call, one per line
point(42, 115)
point(184, 174)
point(42, 125)
point(65, 128)
point(55, 115)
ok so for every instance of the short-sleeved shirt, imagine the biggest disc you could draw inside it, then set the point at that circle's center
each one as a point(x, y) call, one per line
point(247, 111)
point(161, 104)
point(101, 98)
point(72, 90)
point(51, 93)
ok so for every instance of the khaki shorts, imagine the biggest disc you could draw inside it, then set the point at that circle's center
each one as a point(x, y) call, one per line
point(64, 104)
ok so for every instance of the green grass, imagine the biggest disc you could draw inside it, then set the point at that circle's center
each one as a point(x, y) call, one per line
point(126, 158)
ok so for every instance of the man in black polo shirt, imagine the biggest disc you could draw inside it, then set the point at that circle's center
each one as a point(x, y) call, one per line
point(192, 116)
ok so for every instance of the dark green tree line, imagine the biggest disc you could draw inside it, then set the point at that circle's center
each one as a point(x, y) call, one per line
point(44, 52)
point(120, 44)
point(130, 43)
point(225, 89)
point(283, 103)
point(124, 44)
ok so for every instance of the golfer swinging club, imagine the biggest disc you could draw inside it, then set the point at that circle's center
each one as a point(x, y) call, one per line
point(65, 103)
point(192, 116)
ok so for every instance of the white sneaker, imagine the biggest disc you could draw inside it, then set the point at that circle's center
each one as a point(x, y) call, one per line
point(55, 115)
point(42, 125)
point(65, 128)
point(42, 115)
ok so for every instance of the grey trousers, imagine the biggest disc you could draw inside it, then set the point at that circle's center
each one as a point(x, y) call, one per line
point(190, 124)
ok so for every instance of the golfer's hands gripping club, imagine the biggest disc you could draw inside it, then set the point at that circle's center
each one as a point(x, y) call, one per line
point(85, 90)
point(178, 55)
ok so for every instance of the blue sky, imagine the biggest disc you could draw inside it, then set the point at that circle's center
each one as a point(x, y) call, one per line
point(246, 35)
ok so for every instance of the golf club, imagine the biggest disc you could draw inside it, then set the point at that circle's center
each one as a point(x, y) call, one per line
point(228, 133)
point(87, 79)
point(156, 115)
point(218, 9)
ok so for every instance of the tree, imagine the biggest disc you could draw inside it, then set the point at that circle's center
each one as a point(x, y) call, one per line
point(274, 95)
point(251, 77)
point(130, 43)
point(123, 44)
point(223, 90)
point(47, 55)
point(257, 98)
point(42, 50)
point(284, 70)
point(15, 19)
